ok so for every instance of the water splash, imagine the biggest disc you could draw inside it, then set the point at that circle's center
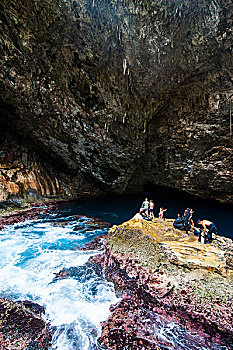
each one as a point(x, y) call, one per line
point(33, 252)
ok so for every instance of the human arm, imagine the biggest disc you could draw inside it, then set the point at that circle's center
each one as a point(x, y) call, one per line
point(204, 228)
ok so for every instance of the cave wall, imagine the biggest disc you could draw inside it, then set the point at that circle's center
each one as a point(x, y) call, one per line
point(25, 176)
point(123, 91)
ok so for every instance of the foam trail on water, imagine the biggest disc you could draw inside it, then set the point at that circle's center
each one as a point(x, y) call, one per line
point(31, 253)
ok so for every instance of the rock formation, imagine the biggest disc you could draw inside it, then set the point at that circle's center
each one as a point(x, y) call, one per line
point(121, 91)
point(164, 272)
point(22, 326)
point(25, 177)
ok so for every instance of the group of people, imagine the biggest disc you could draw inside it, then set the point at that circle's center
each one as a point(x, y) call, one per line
point(147, 209)
point(183, 222)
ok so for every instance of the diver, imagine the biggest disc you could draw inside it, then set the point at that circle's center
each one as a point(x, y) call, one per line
point(208, 228)
point(188, 221)
point(179, 222)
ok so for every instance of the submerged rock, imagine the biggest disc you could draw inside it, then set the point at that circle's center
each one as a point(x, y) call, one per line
point(167, 273)
point(22, 327)
point(19, 216)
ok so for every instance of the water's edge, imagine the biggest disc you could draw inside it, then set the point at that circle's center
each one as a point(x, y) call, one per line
point(33, 253)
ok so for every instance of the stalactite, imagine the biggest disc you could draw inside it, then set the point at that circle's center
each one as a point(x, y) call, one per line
point(124, 66)
point(144, 130)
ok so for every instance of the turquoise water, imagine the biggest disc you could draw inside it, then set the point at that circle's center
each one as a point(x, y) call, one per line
point(33, 252)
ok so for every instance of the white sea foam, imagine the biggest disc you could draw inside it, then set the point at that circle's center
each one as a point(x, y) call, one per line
point(31, 254)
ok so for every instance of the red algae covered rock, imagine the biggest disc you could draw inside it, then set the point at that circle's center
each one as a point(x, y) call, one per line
point(164, 272)
point(19, 216)
point(21, 328)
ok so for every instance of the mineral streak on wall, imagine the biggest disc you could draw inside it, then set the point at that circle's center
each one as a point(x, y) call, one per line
point(119, 92)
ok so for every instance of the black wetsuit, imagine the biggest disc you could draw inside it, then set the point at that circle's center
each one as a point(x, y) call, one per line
point(179, 223)
point(187, 223)
point(211, 229)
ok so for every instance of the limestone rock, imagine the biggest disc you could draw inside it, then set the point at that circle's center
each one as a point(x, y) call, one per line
point(25, 175)
point(165, 272)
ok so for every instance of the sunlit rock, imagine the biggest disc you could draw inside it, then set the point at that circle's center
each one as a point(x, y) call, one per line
point(162, 271)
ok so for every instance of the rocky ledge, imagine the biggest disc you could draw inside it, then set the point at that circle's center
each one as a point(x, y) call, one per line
point(165, 273)
point(21, 326)
point(10, 215)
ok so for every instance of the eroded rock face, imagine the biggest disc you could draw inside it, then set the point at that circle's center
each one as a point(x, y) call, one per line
point(123, 91)
point(25, 175)
point(165, 273)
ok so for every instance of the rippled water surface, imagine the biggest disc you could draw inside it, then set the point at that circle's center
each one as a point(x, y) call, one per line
point(33, 252)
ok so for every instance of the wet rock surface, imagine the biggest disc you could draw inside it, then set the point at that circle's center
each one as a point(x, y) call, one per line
point(96, 244)
point(11, 215)
point(119, 92)
point(27, 214)
point(130, 327)
point(22, 327)
point(193, 288)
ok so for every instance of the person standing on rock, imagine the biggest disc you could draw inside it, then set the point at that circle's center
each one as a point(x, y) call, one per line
point(151, 210)
point(209, 227)
point(145, 207)
point(161, 211)
point(188, 221)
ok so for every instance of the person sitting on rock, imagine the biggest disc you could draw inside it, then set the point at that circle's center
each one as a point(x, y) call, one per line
point(179, 222)
point(138, 217)
point(209, 227)
point(161, 211)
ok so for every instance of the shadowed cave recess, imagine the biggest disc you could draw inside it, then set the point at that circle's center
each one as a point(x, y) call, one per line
point(105, 95)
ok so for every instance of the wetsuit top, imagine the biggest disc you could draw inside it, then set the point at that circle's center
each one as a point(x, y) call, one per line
point(178, 221)
point(187, 216)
